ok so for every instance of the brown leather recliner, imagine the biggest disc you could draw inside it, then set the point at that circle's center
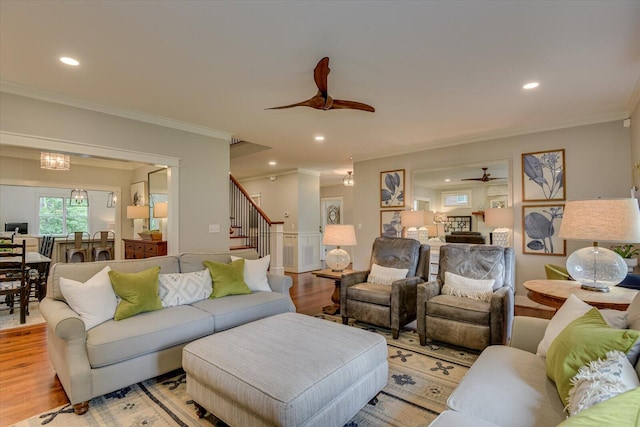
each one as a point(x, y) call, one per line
point(463, 321)
point(390, 306)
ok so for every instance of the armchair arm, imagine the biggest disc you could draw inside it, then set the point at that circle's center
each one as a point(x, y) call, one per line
point(502, 306)
point(404, 293)
point(426, 291)
point(528, 332)
point(280, 284)
point(347, 281)
point(67, 348)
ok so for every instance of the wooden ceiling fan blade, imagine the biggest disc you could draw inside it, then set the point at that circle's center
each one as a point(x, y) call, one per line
point(320, 74)
point(316, 102)
point(353, 105)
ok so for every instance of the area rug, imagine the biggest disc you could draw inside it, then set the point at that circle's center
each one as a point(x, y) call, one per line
point(8, 321)
point(420, 381)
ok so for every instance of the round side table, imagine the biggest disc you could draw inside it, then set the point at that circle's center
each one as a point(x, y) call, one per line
point(554, 293)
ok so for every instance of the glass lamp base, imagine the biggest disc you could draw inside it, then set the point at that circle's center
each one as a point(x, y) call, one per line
point(596, 268)
point(337, 259)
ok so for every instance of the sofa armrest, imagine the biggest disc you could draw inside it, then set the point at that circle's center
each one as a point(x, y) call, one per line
point(62, 320)
point(528, 332)
point(280, 284)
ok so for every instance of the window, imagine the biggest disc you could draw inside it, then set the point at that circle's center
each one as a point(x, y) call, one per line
point(456, 199)
point(58, 218)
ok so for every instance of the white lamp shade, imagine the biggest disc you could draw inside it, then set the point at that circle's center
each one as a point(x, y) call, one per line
point(160, 210)
point(498, 217)
point(609, 220)
point(412, 218)
point(429, 217)
point(339, 235)
point(137, 212)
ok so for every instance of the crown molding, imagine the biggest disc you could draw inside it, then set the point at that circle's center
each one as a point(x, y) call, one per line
point(499, 134)
point(634, 101)
point(30, 92)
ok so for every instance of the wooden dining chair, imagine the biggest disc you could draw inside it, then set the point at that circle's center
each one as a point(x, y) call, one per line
point(38, 276)
point(13, 276)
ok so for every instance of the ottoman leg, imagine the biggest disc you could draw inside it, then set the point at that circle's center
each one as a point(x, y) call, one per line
point(374, 401)
point(200, 410)
point(345, 320)
point(395, 333)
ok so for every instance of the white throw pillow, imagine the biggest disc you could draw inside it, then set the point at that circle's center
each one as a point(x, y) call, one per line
point(386, 275)
point(94, 300)
point(460, 286)
point(255, 273)
point(573, 308)
point(184, 288)
point(601, 380)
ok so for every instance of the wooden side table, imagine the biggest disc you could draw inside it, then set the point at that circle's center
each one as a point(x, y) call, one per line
point(327, 273)
point(554, 293)
point(138, 249)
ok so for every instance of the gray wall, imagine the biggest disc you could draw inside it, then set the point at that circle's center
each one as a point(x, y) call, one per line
point(204, 161)
point(597, 165)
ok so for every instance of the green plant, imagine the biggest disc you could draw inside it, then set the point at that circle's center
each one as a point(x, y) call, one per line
point(626, 251)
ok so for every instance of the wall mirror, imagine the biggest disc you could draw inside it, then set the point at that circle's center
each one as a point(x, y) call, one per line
point(158, 193)
point(460, 191)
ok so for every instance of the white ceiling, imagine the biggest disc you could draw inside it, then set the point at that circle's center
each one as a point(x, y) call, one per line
point(437, 72)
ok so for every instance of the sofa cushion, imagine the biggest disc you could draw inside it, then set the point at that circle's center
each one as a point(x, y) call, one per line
point(585, 339)
point(228, 279)
point(458, 419)
point(508, 387)
point(370, 292)
point(112, 342)
point(139, 292)
point(234, 310)
point(460, 309)
point(620, 411)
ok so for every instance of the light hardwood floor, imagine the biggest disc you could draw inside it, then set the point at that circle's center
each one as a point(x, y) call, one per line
point(28, 384)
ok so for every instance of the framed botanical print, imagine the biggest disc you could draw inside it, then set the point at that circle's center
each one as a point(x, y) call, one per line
point(541, 225)
point(392, 189)
point(390, 223)
point(543, 176)
point(139, 193)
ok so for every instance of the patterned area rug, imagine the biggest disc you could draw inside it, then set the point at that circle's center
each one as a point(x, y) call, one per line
point(420, 381)
point(8, 321)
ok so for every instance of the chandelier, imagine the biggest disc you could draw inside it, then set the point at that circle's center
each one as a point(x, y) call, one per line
point(79, 197)
point(54, 161)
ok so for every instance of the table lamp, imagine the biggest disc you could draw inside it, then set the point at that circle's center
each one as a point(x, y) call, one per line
point(137, 212)
point(161, 211)
point(411, 219)
point(339, 235)
point(610, 220)
point(428, 228)
point(502, 218)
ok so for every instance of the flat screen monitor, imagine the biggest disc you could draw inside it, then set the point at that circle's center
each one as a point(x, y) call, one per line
point(23, 227)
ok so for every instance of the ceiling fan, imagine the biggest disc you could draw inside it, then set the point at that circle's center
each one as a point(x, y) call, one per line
point(486, 177)
point(322, 100)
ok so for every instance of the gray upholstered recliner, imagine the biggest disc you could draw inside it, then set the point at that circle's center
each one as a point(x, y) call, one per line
point(464, 321)
point(390, 306)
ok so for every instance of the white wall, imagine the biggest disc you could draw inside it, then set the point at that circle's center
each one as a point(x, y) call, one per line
point(635, 143)
point(204, 161)
point(597, 165)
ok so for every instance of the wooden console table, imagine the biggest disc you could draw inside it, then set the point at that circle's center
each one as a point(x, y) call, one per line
point(138, 249)
point(327, 273)
point(553, 293)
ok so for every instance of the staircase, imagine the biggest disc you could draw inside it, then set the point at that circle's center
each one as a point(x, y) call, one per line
point(251, 228)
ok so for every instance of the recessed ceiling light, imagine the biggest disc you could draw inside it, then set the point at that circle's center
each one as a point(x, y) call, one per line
point(272, 163)
point(69, 61)
point(319, 138)
point(530, 85)
point(447, 180)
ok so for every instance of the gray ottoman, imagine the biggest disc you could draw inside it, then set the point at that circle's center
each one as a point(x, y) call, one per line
point(286, 370)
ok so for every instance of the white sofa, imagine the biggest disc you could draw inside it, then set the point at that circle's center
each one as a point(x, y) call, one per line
point(508, 386)
point(116, 354)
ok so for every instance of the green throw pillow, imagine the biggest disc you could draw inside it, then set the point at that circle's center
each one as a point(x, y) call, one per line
point(139, 292)
point(228, 279)
point(585, 339)
point(622, 410)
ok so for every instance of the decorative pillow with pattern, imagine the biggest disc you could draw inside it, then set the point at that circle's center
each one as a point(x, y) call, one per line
point(460, 286)
point(386, 275)
point(184, 288)
point(600, 380)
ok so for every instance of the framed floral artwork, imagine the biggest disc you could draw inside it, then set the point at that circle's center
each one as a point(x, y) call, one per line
point(543, 177)
point(541, 225)
point(139, 193)
point(392, 189)
point(390, 223)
